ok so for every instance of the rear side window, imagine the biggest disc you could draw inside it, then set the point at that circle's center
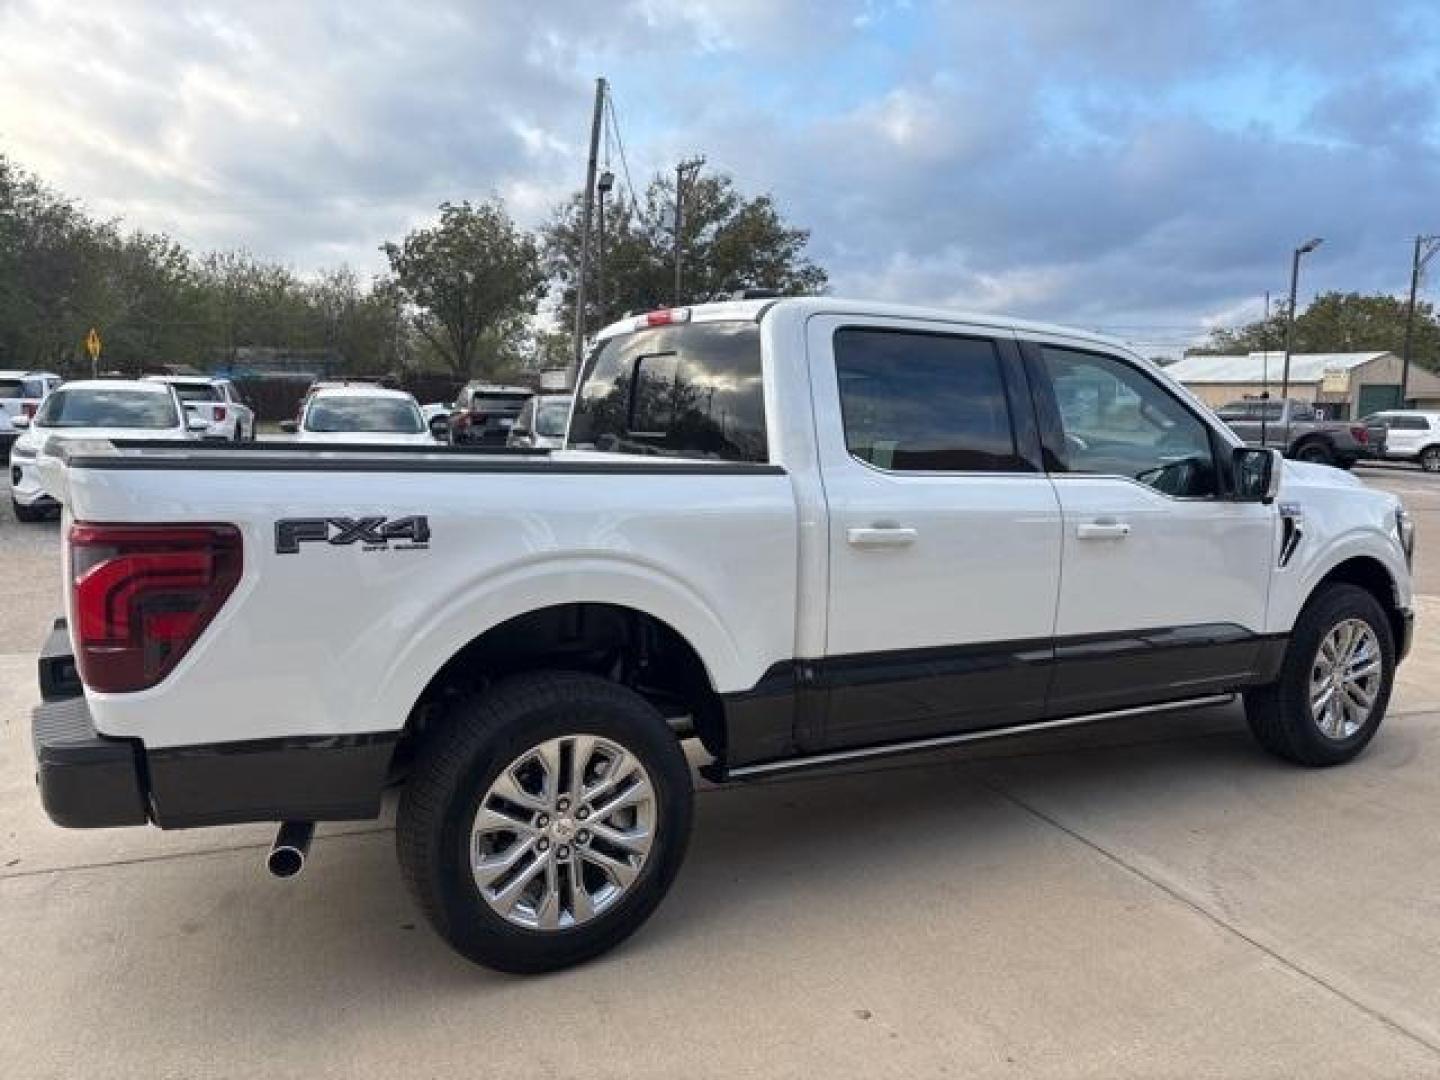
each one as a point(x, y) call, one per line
point(12, 389)
point(919, 402)
point(1407, 423)
point(693, 390)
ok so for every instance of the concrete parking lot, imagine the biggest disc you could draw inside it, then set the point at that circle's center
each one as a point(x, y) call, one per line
point(1146, 898)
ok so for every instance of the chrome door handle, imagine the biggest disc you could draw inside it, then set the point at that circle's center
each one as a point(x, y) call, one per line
point(1102, 530)
point(881, 537)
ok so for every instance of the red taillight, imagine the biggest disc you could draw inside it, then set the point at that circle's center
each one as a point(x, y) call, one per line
point(663, 318)
point(463, 420)
point(141, 596)
point(1361, 433)
point(28, 408)
point(219, 412)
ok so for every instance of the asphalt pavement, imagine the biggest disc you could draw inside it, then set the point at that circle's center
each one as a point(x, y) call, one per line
point(1148, 898)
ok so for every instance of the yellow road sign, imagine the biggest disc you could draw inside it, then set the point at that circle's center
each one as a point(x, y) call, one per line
point(92, 344)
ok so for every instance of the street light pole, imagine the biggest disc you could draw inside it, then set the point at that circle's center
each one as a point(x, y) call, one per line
point(587, 206)
point(1303, 249)
point(602, 188)
point(1425, 248)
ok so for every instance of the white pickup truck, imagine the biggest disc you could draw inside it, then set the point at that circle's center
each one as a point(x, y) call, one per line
point(802, 531)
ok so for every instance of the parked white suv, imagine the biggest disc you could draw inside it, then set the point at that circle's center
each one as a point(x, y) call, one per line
point(98, 409)
point(1411, 435)
point(809, 531)
point(217, 402)
point(20, 395)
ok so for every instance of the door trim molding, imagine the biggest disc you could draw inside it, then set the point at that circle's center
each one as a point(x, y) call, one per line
point(720, 773)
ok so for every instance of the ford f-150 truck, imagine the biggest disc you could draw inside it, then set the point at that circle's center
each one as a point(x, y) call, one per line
point(1296, 430)
point(803, 532)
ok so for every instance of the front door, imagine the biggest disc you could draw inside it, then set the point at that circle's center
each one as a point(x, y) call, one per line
point(944, 533)
point(1164, 581)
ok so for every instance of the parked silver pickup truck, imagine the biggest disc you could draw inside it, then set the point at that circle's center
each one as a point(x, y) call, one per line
point(1298, 431)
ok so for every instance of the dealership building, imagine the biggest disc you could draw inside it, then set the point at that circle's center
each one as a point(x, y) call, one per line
point(1346, 385)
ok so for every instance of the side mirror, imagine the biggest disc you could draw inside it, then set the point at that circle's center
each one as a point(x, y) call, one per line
point(20, 423)
point(290, 427)
point(1256, 474)
point(440, 426)
point(196, 423)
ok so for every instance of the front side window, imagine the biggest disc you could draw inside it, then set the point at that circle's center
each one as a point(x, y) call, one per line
point(108, 409)
point(922, 402)
point(688, 390)
point(1118, 422)
point(375, 414)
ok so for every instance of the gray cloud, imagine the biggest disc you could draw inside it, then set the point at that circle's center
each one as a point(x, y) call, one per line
point(1114, 163)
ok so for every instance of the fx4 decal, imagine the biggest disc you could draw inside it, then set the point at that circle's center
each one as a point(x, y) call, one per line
point(373, 533)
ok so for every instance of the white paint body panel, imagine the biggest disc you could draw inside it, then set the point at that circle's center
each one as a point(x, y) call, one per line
point(336, 640)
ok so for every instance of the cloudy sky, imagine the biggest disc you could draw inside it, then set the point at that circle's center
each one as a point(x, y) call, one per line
point(1141, 166)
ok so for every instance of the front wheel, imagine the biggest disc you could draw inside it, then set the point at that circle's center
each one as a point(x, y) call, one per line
point(1334, 684)
point(544, 824)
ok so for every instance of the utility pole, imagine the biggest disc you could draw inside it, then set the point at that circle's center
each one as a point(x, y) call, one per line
point(684, 174)
point(1265, 369)
point(574, 373)
point(1425, 248)
point(602, 188)
point(1303, 249)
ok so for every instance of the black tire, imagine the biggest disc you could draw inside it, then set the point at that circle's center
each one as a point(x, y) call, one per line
point(1280, 715)
point(28, 513)
point(1315, 452)
point(1429, 459)
point(454, 770)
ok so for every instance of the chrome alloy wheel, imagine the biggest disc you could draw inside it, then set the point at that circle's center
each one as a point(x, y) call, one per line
point(1345, 679)
point(563, 832)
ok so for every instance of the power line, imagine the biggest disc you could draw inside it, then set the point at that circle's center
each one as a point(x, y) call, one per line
point(614, 119)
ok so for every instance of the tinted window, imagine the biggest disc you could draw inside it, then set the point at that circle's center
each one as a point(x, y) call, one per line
point(396, 415)
point(915, 401)
point(676, 391)
point(198, 392)
point(10, 389)
point(1251, 410)
point(108, 408)
point(1406, 423)
point(1118, 422)
point(501, 403)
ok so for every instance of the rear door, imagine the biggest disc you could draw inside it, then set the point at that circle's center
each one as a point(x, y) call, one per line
point(1165, 581)
point(944, 532)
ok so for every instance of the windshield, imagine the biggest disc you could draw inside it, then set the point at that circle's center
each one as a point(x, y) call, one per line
point(550, 419)
point(379, 414)
point(693, 390)
point(104, 408)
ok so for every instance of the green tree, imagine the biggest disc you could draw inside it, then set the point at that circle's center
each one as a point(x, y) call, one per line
point(1339, 322)
point(475, 279)
point(731, 242)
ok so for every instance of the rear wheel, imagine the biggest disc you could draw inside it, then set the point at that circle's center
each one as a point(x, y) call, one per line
point(1335, 682)
point(1430, 459)
point(546, 822)
point(1315, 452)
point(28, 513)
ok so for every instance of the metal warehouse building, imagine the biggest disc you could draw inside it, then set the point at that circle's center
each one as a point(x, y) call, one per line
point(1348, 385)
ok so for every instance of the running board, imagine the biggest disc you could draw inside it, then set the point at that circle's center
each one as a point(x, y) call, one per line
point(719, 774)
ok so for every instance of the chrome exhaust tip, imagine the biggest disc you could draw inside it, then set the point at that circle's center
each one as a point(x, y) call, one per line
point(290, 849)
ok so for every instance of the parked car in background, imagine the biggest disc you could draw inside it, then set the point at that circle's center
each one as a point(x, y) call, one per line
point(1297, 431)
point(361, 414)
point(1410, 435)
point(98, 409)
point(484, 413)
point(437, 419)
point(541, 423)
point(20, 395)
point(217, 402)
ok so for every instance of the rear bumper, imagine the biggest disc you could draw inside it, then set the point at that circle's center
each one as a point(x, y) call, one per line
point(88, 780)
